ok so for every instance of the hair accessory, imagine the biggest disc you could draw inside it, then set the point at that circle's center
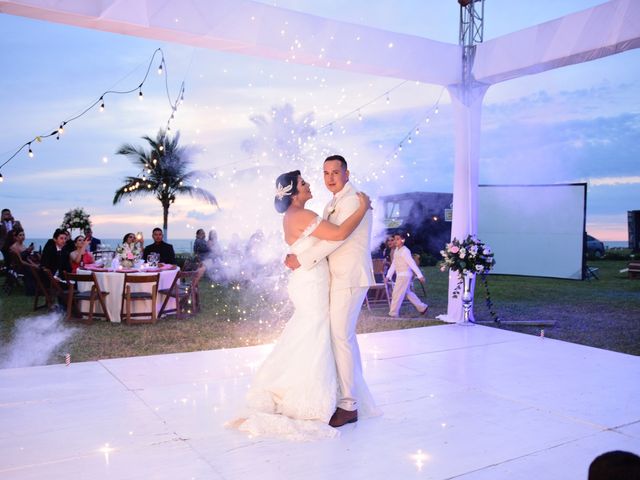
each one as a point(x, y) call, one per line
point(281, 191)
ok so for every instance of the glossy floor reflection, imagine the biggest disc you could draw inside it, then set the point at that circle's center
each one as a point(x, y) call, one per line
point(459, 402)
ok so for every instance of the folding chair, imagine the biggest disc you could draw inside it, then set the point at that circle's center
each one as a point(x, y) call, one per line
point(129, 296)
point(75, 297)
point(41, 282)
point(13, 268)
point(378, 293)
point(184, 289)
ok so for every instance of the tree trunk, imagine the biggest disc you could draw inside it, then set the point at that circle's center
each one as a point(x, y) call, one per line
point(165, 220)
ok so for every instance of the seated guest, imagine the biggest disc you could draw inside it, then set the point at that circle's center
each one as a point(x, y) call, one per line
point(19, 257)
point(91, 241)
point(200, 246)
point(15, 242)
point(130, 240)
point(80, 257)
point(7, 224)
point(69, 245)
point(54, 255)
point(165, 250)
point(212, 243)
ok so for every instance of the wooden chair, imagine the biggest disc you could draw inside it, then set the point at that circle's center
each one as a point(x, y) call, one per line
point(185, 291)
point(128, 297)
point(633, 269)
point(75, 297)
point(41, 283)
point(378, 294)
point(13, 271)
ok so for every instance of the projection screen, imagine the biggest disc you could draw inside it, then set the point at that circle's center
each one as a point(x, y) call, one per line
point(534, 230)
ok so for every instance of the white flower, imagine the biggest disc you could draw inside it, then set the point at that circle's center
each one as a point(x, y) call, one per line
point(486, 250)
point(479, 268)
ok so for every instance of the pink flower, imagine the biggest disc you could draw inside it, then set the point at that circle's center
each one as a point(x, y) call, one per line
point(454, 249)
point(130, 256)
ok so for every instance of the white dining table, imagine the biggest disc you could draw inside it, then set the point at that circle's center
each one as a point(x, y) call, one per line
point(112, 281)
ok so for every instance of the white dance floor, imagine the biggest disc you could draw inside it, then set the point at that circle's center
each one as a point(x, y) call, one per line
point(459, 402)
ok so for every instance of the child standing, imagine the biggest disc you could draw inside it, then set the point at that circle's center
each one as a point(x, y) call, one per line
point(404, 267)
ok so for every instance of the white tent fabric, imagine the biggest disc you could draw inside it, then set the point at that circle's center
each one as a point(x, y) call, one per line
point(252, 28)
point(600, 31)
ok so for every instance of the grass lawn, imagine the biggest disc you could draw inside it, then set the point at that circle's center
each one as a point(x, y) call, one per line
point(602, 313)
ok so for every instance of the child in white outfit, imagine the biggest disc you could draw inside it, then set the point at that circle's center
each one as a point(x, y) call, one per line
point(404, 266)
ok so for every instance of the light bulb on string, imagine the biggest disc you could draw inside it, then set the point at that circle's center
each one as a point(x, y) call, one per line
point(418, 131)
point(30, 151)
point(427, 120)
point(140, 96)
point(436, 111)
point(160, 69)
point(388, 100)
point(101, 104)
point(1, 178)
point(61, 128)
point(409, 140)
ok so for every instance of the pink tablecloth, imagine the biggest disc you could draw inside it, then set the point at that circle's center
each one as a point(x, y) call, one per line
point(113, 282)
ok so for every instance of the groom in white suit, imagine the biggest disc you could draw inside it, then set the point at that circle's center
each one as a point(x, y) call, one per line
point(351, 275)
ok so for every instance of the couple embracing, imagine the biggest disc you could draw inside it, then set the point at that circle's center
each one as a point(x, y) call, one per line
point(312, 381)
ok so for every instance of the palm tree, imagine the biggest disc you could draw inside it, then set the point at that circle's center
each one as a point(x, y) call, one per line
point(165, 173)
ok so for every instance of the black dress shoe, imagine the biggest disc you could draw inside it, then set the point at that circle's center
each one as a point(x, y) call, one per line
point(342, 417)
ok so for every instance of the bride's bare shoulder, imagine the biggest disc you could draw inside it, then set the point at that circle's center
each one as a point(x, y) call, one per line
point(299, 217)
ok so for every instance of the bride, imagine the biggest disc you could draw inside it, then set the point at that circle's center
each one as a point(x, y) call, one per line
point(294, 392)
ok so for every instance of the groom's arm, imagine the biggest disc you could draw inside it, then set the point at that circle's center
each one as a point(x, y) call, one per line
point(322, 249)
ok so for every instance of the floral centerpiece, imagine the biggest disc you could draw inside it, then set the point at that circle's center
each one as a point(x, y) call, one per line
point(76, 218)
point(470, 256)
point(128, 254)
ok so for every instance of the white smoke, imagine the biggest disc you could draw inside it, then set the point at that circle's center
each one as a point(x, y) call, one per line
point(34, 340)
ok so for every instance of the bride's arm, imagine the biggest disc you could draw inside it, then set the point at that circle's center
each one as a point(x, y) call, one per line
point(328, 231)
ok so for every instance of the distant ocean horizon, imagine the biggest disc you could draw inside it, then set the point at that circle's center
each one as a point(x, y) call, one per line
point(185, 245)
point(180, 245)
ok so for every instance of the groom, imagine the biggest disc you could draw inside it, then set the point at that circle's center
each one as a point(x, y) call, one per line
point(351, 275)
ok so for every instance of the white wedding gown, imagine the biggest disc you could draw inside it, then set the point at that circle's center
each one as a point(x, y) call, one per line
point(294, 392)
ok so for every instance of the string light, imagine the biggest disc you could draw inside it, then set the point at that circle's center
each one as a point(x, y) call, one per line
point(100, 101)
point(140, 96)
point(160, 69)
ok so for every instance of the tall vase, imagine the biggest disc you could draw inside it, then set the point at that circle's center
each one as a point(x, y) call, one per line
point(467, 299)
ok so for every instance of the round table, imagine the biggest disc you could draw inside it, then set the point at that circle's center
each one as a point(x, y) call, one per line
point(112, 281)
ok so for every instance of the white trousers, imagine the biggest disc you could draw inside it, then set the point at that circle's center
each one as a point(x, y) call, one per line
point(401, 289)
point(344, 307)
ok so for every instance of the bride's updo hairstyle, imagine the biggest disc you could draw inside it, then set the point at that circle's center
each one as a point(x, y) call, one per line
point(286, 187)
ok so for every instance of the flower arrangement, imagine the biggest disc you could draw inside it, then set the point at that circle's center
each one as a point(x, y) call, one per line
point(76, 218)
point(127, 254)
point(468, 256)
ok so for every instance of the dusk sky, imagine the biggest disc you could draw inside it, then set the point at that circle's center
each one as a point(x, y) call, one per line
point(579, 123)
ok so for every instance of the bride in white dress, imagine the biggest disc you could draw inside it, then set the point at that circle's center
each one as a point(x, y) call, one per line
point(294, 393)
